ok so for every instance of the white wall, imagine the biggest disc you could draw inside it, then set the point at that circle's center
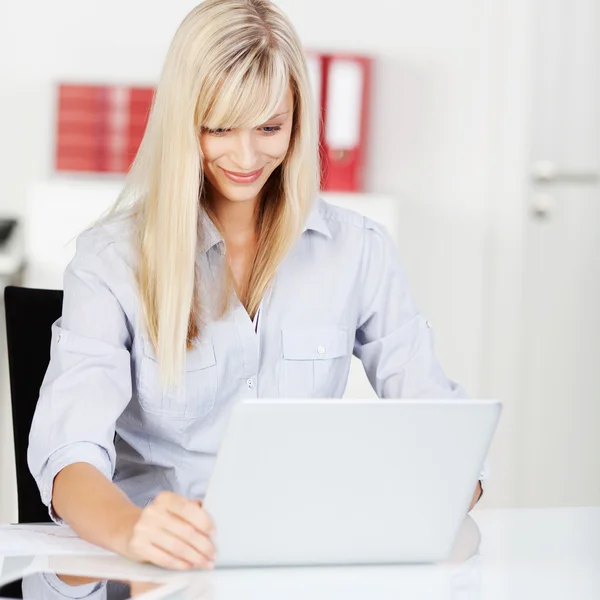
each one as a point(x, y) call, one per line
point(430, 138)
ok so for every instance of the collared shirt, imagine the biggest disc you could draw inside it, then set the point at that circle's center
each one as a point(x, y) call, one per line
point(340, 291)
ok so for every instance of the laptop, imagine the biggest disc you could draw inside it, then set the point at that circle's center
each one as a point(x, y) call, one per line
point(339, 482)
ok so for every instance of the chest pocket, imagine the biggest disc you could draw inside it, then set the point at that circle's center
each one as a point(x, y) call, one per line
point(196, 396)
point(315, 362)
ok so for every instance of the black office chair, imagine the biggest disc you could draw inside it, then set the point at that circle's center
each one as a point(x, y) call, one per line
point(29, 316)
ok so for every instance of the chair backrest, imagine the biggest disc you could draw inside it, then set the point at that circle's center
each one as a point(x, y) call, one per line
point(30, 314)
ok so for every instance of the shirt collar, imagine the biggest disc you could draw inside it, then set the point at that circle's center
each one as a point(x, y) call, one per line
point(315, 221)
point(211, 236)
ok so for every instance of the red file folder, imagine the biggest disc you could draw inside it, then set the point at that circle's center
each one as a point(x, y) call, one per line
point(140, 103)
point(345, 110)
point(100, 128)
point(80, 128)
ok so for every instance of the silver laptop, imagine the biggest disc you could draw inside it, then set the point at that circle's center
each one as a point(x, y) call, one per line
point(315, 482)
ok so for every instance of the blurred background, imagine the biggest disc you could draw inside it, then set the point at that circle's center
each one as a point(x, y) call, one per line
point(479, 148)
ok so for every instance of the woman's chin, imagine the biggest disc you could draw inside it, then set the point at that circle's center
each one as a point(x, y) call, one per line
point(240, 193)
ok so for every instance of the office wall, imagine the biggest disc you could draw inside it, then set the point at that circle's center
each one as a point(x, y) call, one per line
point(429, 146)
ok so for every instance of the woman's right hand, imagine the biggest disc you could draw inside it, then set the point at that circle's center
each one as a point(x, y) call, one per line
point(172, 532)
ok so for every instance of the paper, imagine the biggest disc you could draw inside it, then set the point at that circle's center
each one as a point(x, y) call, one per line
point(344, 104)
point(46, 540)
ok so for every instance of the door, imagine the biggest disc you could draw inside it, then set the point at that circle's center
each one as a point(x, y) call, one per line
point(561, 339)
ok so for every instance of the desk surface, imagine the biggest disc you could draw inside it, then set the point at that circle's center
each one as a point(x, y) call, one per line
point(501, 554)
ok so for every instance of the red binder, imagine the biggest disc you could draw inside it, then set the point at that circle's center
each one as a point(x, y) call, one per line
point(140, 103)
point(116, 134)
point(346, 88)
point(100, 128)
point(80, 128)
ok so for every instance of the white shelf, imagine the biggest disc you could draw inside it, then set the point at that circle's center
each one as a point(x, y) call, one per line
point(59, 209)
point(379, 207)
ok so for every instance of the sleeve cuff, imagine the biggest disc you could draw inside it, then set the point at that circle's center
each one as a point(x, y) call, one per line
point(485, 472)
point(86, 452)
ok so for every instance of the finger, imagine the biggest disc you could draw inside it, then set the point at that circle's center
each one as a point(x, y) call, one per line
point(189, 511)
point(178, 548)
point(158, 556)
point(188, 534)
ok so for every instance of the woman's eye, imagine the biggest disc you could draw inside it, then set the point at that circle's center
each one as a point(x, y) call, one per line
point(218, 131)
point(271, 129)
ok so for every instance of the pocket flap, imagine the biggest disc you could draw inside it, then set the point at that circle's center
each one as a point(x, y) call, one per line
point(314, 343)
point(201, 356)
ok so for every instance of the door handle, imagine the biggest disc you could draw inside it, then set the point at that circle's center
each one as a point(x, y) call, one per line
point(546, 172)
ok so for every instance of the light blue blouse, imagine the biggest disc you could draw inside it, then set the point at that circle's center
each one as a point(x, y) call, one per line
point(341, 290)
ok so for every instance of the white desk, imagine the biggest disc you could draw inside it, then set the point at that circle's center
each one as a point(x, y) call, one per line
point(523, 555)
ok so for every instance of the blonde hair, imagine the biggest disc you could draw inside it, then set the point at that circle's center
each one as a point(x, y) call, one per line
point(230, 64)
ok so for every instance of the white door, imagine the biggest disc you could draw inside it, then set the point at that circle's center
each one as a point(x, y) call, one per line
point(561, 338)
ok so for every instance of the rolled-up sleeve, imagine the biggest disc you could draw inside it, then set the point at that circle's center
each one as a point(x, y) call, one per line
point(393, 340)
point(88, 382)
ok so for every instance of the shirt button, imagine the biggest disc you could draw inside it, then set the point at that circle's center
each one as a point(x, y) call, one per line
point(58, 338)
point(321, 349)
point(428, 324)
point(250, 383)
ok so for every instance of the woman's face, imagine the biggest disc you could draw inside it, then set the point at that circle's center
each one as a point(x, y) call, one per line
point(238, 162)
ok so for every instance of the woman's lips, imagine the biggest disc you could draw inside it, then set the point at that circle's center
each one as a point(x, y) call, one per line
point(243, 177)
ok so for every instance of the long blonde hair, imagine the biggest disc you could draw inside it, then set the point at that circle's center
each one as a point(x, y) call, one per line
point(229, 65)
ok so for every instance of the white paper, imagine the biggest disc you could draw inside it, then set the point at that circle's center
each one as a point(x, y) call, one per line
point(46, 540)
point(344, 104)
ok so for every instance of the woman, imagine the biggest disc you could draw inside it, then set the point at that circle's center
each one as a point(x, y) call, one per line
point(219, 276)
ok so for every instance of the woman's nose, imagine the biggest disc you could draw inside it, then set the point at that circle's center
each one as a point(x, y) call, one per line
point(244, 152)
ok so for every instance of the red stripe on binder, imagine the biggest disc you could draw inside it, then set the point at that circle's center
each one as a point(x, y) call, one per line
point(346, 98)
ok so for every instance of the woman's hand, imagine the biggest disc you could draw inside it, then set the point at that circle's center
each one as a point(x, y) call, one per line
point(171, 532)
